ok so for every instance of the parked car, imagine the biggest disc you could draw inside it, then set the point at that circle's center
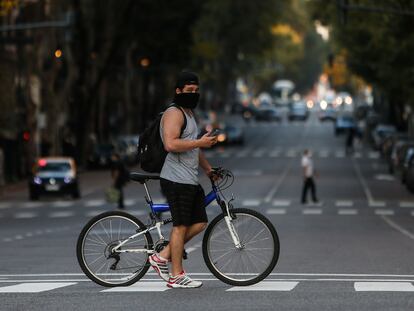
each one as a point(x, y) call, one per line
point(268, 113)
point(54, 175)
point(328, 114)
point(388, 145)
point(380, 132)
point(298, 111)
point(127, 147)
point(398, 156)
point(233, 135)
point(344, 123)
point(101, 155)
point(407, 165)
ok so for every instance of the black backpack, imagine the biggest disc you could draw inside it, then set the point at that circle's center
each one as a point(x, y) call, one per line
point(151, 152)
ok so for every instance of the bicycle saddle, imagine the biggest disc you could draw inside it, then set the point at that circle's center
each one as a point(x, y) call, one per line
point(141, 178)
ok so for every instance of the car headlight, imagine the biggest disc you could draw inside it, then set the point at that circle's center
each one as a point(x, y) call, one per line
point(221, 138)
point(37, 180)
point(68, 180)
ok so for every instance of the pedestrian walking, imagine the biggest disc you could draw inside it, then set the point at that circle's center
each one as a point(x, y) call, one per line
point(179, 179)
point(119, 175)
point(308, 173)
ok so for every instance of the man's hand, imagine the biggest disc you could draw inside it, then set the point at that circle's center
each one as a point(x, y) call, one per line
point(207, 141)
point(211, 174)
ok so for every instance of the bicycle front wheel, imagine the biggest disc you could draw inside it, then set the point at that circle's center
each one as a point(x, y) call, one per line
point(256, 256)
point(97, 255)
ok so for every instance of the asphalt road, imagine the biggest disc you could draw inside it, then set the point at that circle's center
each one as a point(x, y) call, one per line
point(353, 252)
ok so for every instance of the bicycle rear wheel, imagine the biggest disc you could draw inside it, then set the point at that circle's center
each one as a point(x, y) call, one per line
point(95, 246)
point(254, 260)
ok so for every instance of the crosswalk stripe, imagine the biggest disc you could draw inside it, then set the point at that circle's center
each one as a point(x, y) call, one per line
point(25, 215)
point(139, 287)
point(312, 211)
point(31, 204)
point(347, 212)
point(266, 286)
point(344, 203)
point(281, 203)
point(94, 203)
point(33, 287)
point(383, 287)
point(373, 155)
point(251, 203)
point(276, 211)
point(357, 155)
point(377, 204)
point(339, 154)
point(63, 204)
point(129, 202)
point(407, 204)
point(61, 214)
point(5, 205)
point(93, 213)
point(384, 212)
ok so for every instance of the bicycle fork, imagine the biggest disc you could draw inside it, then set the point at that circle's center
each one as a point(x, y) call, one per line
point(229, 222)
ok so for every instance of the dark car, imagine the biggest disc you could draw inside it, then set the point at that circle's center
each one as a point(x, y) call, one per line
point(398, 156)
point(233, 135)
point(343, 124)
point(407, 167)
point(54, 175)
point(328, 114)
point(127, 147)
point(298, 111)
point(101, 156)
point(268, 113)
point(380, 132)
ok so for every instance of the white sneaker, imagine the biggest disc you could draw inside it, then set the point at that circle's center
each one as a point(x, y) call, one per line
point(160, 266)
point(183, 281)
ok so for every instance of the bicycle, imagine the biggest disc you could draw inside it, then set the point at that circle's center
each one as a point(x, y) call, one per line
point(240, 246)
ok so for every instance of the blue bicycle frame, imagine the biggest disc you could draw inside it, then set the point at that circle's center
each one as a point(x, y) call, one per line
point(164, 207)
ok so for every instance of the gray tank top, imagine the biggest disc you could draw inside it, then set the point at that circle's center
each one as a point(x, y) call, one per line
point(182, 167)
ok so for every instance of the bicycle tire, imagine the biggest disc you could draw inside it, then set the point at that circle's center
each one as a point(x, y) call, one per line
point(80, 251)
point(221, 275)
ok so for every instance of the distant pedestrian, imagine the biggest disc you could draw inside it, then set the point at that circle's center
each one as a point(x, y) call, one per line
point(308, 182)
point(349, 142)
point(119, 175)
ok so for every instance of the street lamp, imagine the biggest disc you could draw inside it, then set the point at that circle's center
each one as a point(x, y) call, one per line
point(58, 53)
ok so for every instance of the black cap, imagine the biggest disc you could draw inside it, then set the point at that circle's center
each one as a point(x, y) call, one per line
point(186, 77)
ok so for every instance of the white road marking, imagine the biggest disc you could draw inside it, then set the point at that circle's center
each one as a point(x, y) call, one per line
point(274, 154)
point(276, 211)
point(129, 202)
point(312, 211)
point(412, 213)
point(274, 189)
point(281, 202)
point(398, 227)
point(384, 212)
point(63, 204)
point(61, 214)
point(241, 173)
point(385, 177)
point(383, 287)
point(33, 287)
point(362, 182)
point(25, 215)
point(347, 212)
point(251, 202)
point(5, 205)
point(93, 213)
point(344, 203)
point(377, 204)
point(407, 204)
point(357, 155)
point(139, 287)
point(340, 154)
point(266, 286)
point(291, 153)
point(31, 204)
point(323, 153)
point(373, 155)
point(94, 203)
point(138, 213)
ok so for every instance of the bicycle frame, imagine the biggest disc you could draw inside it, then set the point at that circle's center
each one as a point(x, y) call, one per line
point(157, 208)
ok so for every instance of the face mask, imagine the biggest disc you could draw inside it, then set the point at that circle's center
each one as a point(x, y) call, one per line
point(187, 100)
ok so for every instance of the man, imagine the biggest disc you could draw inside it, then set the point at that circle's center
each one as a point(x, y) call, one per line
point(119, 173)
point(307, 165)
point(179, 180)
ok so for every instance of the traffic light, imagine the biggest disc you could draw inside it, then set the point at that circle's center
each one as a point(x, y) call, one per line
point(26, 136)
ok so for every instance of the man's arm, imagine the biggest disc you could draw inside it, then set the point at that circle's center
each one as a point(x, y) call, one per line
point(173, 120)
point(205, 165)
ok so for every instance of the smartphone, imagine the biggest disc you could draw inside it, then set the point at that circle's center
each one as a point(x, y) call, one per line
point(214, 132)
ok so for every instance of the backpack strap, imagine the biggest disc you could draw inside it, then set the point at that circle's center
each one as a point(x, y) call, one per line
point(185, 118)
